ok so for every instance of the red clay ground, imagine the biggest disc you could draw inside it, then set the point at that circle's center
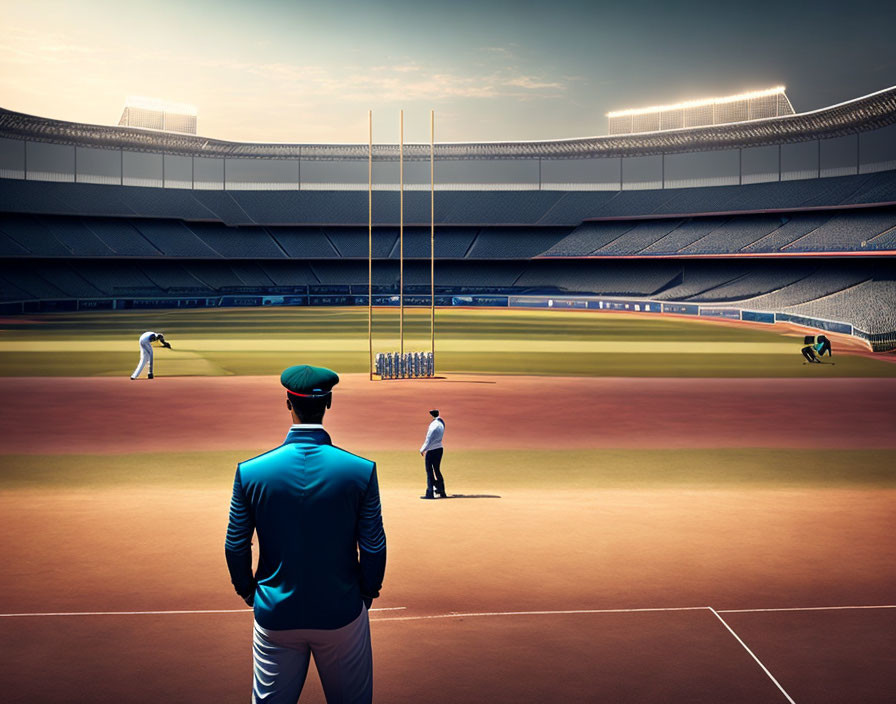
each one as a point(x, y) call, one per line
point(110, 415)
point(127, 549)
point(161, 549)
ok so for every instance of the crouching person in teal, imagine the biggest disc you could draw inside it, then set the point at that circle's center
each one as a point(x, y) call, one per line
point(322, 553)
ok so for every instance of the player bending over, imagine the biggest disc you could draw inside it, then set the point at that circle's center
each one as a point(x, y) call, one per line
point(815, 348)
point(146, 340)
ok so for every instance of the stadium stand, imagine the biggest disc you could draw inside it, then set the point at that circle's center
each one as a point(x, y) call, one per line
point(873, 305)
point(9, 247)
point(753, 283)
point(352, 242)
point(289, 273)
point(851, 231)
point(171, 203)
point(645, 279)
point(173, 277)
point(77, 238)
point(304, 243)
point(416, 244)
point(574, 207)
point(454, 242)
point(125, 278)
point(32, 283)
point(30, 235)
point(237, 242)
point(73, 282)
point(886, 240)
point(174, 238)
point(507, 243)
point(251, 274)
point(556, 208)
point(698, 276)
point(831, 231)
point(685, 234)
point(588, 237)
point(602, 222)
point(643, 234)
point(468, 276)
point(790, 228)
point(218, 276)
point(11, 292)
point(122, 237)
point(221, 206)
point(733, 236)
point(822, 282)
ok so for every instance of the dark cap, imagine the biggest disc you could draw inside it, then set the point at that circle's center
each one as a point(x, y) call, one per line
point(434, 413)
point(310, 382)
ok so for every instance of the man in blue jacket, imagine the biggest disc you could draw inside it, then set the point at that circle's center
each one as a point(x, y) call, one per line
point(322, 552)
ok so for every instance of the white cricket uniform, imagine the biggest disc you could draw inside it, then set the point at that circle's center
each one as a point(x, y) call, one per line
point(146, 340)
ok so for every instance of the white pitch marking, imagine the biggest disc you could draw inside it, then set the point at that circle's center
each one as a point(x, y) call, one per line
point(157, 613)
point(752, 655)
point(457, 614)
point(805, 608)
point(540, 613)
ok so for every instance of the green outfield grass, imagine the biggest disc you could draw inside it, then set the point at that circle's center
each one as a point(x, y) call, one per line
point(209, 342)
point(489, 471)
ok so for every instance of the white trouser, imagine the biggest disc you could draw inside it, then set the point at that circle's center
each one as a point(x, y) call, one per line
point(145, 356)
point(342, 655)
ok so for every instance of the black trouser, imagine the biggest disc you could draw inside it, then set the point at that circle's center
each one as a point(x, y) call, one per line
point(433, 459)
point(808, 354)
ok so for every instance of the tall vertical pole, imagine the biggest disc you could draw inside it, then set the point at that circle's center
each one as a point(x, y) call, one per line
point(432, 236)
point(401, 232)
point(370, 243)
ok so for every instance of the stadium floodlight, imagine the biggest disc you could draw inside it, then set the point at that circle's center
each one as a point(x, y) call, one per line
point(144, 103)
point(153, 114)
point(777, 90)
point(742, 107)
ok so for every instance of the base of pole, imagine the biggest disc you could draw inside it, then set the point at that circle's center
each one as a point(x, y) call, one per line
point(410, 365)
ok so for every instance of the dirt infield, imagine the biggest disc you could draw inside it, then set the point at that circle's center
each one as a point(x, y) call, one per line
point(512, 565)
point(112, 415)
point(482, 590)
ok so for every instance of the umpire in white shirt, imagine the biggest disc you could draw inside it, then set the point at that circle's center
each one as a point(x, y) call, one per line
point(432, 454)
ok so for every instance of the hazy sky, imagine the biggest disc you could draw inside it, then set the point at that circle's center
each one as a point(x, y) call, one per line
point(298, 71)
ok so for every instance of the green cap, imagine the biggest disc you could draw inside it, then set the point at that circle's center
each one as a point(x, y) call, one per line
point(308, 381)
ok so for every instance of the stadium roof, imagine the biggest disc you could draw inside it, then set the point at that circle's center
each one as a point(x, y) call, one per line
point(858, 115)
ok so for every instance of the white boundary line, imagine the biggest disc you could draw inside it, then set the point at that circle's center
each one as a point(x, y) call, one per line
point(155, 613)
point(459, 614)
point(536, 613)
point(752, 655)
point(805, 608)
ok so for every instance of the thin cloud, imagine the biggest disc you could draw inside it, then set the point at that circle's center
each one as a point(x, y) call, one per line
point(532, 83)
point(68, 48)
point(392, 82)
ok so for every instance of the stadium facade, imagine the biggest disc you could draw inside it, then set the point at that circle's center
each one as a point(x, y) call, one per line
point(791, 216)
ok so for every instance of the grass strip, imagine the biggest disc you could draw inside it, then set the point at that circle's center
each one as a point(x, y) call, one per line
point(487, 470)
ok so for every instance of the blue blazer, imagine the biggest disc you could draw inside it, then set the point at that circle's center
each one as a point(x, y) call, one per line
point(316, 510)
